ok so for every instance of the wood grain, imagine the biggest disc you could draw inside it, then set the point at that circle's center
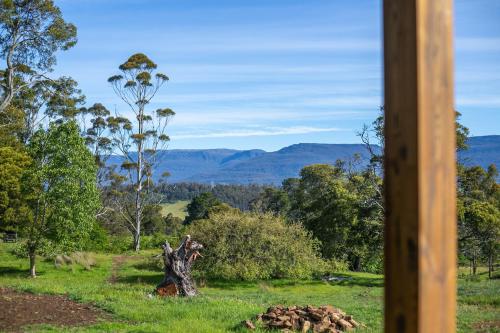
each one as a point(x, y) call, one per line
point(420, 234)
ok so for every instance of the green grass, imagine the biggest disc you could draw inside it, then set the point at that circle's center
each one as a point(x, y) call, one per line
point(222, 305)
point(177, 209)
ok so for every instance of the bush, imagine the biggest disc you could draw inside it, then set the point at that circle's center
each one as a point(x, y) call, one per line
point(156, 240)
point(85, 259)
point(45, 249)
point(98, 240)
point(252, 246)
point(332, 266)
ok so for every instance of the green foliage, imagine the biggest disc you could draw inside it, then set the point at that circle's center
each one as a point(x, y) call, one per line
point(138, 61)
point(118, 244)
point(45, 248)
point(153, 222)
point(324, 204)
point(173, 225)
point(478, 214)
point(238, 196)
point(31, 32)
point(13, 207)
point(272, 200)
point(155, 240)
point(11, 126)
point(60, 189)
point(462, 133)
point(332, 266)
point(38, 30)
point(341, 209)
point(251, 246)
point(65, 99)
point(200, 206)
point(98, 239)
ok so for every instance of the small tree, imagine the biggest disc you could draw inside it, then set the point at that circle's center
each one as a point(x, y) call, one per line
point(339, 207)
point(30, 34)
point(12, 204)
point(272, 200)
point(139, 139)
point(200, 206)
point(478, 214)
point(60, 189)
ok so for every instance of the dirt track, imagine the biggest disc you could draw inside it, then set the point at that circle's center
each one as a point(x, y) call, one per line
point(19, 309)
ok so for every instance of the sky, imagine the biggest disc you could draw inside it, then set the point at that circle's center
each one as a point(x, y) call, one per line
point(263, 74)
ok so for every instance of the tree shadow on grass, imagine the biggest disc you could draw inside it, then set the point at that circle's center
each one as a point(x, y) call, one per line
point(361, 281)
point(230, 284)
point(152, 280)
point(147, 266)
point(9, 271)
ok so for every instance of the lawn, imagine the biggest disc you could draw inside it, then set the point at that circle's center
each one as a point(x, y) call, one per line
point(222, 305)
point(177, 209)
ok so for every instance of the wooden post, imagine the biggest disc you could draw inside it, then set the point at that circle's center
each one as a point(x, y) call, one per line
point(420, 234)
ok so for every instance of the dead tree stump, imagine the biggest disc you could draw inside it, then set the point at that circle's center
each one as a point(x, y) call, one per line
point(177, 263)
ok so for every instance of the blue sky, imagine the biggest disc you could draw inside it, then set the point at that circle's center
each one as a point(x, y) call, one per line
point(267, 74)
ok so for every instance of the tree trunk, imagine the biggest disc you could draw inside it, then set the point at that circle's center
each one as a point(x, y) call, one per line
point(356, 265)
point(137, 239)
point(177, 279)
point(474, 265)
point(138, 199)
point(490, 265)
point(32, 265)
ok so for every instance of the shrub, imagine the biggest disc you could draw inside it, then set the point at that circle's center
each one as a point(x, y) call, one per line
point(251, 246)
point(85, 259)
point(46, 249)
point(98, 240)
point(156, 240)
point(335, 266)
point(118, 244)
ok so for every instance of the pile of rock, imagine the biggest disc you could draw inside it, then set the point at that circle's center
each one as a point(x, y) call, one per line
point(323, 319)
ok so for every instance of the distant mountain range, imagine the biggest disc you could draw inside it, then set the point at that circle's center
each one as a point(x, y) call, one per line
point(228, 166)
point(483, 151)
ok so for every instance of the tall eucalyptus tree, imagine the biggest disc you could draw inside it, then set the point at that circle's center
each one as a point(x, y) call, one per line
point(140, 138)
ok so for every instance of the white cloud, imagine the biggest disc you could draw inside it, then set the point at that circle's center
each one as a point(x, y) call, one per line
point(271, 131)
point(483, 101)
point(477, 44)
point(255, 116)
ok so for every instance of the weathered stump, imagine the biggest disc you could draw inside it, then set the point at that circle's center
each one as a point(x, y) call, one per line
point(177, 263)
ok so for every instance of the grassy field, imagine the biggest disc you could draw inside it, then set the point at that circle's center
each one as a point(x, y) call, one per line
point(221, 305)
point(177, 209)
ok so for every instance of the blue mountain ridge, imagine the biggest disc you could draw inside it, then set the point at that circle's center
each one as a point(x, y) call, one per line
point(229, 166)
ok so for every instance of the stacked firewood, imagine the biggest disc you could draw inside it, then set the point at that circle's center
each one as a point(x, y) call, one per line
point(323, 319)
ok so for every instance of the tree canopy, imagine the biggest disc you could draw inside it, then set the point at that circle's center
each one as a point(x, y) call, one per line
point(12, 204)
point(60, 188)
point(31, 33)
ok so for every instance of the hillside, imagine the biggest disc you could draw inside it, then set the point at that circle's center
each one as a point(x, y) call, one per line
point(273, 167)
point(483, 151)
point(227, 166)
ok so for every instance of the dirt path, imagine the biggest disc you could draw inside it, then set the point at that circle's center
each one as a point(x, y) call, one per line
point(118, 262)
point(19, 309)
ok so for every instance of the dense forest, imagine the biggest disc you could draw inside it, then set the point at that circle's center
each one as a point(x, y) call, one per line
point(238, 196)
